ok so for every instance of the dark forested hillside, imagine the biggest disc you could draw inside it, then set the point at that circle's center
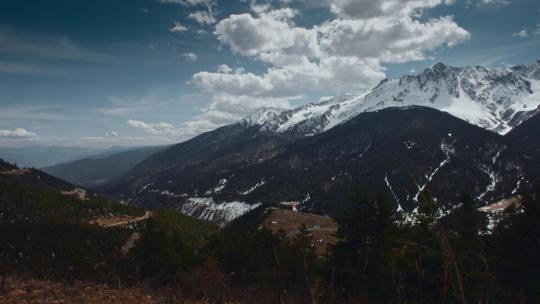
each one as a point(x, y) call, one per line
point(45, 230)
point(375, 257)
point(396, 151)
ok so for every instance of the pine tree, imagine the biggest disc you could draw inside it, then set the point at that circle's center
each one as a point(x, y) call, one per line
point(516, 248)
point(470, 249)
point(365, 236)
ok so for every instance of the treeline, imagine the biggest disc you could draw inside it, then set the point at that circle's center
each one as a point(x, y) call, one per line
point(377, 259)
point(20, 203)
point(453, 259)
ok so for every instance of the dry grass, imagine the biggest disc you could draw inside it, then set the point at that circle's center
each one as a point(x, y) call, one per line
point(322, 228)
point(502, 205)
point(26, 290)
point(120, 220)
point(15, 172)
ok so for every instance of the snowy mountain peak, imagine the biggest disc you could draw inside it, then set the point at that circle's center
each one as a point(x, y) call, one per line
point(440, 68)
point(530, 71)
point(261, 116)
point(494, 99)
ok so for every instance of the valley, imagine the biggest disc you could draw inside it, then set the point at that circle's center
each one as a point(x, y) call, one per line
point(297, 204)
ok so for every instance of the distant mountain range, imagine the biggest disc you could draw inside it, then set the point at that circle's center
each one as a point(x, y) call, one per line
point(451, 129)
point(42, 156)
point(102, 168)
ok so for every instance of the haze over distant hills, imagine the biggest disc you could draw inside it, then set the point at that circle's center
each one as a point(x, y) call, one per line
point(102, 168)
point(42, 156)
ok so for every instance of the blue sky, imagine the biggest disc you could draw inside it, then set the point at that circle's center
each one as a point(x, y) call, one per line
point(140, 72)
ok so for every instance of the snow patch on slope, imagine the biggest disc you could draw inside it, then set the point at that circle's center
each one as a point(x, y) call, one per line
point(205, 208)
point(399, 208)
point(255, 187)
point(220, 186)
point(448, 150)
point(492, 174)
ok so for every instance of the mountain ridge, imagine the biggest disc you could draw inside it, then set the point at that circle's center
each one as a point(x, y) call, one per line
point(496, 99)
point(395, 151)
point(102, 168)
point(390, 139)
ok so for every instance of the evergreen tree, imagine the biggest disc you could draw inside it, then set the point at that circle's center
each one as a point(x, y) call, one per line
point(470, 249)
point(366, 235)
point(422, 263)
point(515, 250)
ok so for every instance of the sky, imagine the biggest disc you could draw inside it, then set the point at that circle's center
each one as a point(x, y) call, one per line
point(107, 73)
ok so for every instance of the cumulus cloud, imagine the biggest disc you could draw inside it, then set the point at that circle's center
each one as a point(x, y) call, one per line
point(522, 34)
point(490, 2)
point(188, 2)
point(178, 27)
point(345, 53)
point(161, 128)
point(186, 130)
point(376, 8)
point(224, 69)
point(18, 133)
point(190, 56)
point(257, 36)
point(203, 17)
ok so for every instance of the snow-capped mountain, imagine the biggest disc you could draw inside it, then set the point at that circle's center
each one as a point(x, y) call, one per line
point(431, 130)
point(494, 99)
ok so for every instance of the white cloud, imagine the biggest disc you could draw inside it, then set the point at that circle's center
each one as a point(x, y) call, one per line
point(18, 133)
point(203, 17)
point(188, 2)
point(161, 128)
point(178, 27)
point(522, 34)
point(269, 33)
point(292, 80)
point(345, 53)
point(224, 69)
point(378, 8)
point(190, 56)
point(389, 39)
point(198, 126)
point(488, 2)
point(187, 130)
point(111, 134)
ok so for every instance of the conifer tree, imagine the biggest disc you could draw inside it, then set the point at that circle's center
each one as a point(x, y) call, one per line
point(516, 248)
point(360, 256)
point(470, 249)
